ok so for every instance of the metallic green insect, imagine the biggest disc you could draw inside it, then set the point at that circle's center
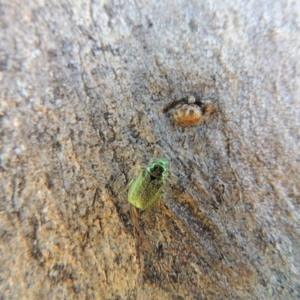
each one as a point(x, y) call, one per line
point(146, 189)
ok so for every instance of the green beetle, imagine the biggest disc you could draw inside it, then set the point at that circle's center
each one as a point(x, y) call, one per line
point(146, 189)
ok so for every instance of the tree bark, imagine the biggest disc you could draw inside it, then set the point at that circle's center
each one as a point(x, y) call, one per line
point(85, 92)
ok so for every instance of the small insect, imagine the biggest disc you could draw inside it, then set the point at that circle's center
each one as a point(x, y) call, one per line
point(146, 189)
point(191, 112)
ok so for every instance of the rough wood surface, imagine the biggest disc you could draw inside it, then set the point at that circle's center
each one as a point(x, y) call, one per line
point(84, 87)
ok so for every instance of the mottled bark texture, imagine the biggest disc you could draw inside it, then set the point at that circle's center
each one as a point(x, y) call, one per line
point(84, 91)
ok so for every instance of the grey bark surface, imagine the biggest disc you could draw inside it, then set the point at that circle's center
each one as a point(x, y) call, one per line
point(84, 87)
